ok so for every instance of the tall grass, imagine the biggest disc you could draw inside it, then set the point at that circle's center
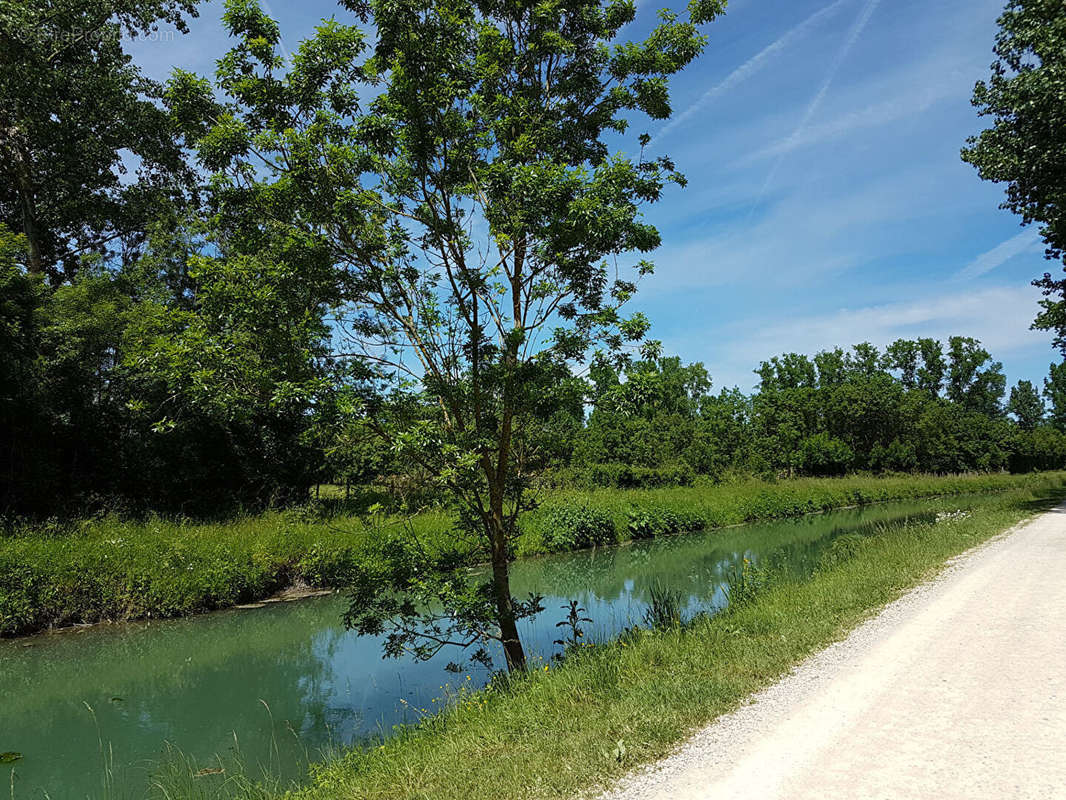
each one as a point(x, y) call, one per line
point(114, 569)
point(664, 607)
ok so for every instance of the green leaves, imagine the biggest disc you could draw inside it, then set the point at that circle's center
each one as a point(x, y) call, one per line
point(466, 230)
point(1025, 147)
point(73, 108)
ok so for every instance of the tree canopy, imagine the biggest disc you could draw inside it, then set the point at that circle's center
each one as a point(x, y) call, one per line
point(1025, 147)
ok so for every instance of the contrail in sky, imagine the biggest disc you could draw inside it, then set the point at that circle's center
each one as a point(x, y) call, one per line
point(853, 36)
point(751, 66)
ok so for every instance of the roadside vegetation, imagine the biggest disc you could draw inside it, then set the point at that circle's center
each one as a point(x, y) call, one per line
point(60, 574)
point(563, 729)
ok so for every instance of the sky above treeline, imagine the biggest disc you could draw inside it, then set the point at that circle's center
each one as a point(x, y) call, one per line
point(827, 203)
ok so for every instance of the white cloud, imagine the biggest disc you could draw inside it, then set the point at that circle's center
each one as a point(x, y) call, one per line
point(814, 231)
point(812, 108)
point(902, 106)
point(753, 65)
point(1025, 242)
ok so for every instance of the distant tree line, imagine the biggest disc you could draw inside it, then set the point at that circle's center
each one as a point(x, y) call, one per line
point(916, 406)
point(112, 398)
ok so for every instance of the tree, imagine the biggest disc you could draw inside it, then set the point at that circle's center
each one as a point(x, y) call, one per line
point(1025, 404)
point(865, 360)
point(969, 385)
point(902, 355)
point(75, 116)
point(931, 373)
point(474, 218)
point(1055, 392)
point(21, 297)
point(832, 367)
point(1026, 145)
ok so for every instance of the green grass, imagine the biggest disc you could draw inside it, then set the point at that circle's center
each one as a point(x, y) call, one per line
point(111, 569)
point(557, 732)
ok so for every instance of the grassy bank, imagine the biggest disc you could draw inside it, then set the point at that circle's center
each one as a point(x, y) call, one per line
point(111, 569)
point(615, 706)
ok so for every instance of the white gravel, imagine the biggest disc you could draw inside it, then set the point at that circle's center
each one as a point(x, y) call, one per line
point(956, 690)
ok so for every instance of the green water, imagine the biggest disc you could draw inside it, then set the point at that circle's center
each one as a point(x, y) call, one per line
point(92, 711)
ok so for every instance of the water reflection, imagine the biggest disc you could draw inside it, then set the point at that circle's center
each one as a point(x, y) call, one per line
point(282, 682)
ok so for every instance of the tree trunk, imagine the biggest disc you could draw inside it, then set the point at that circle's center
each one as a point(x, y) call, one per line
point(21, 158)
point(501, 577)
point(513, 651)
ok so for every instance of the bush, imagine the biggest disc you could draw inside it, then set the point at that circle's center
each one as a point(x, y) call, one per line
point(576, 527)
point(624, 476)
point(648, 522)
point(842, 548)
point(824, 455)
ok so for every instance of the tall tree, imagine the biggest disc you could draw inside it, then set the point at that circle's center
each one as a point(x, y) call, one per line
point(975, 382)
point(475, 219)
point(902, 355)
point(1026, 405)
point(76, 115)
point(1026, 145)
point(1055, 392)
point(931, 374)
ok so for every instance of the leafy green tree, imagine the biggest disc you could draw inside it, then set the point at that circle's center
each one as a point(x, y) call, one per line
point(902, 356)
point(931, 374)
point(657, 386)
point(821, 454)
point(1026, 405)
point(865, 360)
point(1025, 147)
point(21, 297)
point(975, 382)
point(76, 116)
point(471, 213)
point(832, 367)
point(1055, 392)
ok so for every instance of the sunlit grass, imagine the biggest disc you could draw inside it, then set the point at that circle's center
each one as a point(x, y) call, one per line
point(114, 569)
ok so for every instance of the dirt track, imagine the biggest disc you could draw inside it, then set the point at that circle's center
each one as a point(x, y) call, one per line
point(957, 690)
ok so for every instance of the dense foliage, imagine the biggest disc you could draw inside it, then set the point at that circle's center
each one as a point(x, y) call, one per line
point(448, 188)
point(1026, 145)
point(387, 258)
point(916, 406)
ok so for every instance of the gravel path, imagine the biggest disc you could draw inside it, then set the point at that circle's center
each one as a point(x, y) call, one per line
point(956, 690)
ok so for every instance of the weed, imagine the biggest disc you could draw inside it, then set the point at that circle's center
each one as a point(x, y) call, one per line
point(664, 607)
point(574, 618)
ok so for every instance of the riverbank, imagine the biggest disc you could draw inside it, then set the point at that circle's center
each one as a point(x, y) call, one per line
point(608, 709)
point(111, 570)
point(950, 691)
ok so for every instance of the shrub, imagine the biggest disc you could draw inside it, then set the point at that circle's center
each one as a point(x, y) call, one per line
point(647, 522)
point(745, 582)
point(823, 454)
point(576, 527)
point(625, 476)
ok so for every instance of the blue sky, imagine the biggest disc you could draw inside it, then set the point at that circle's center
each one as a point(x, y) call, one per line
point(827, 203)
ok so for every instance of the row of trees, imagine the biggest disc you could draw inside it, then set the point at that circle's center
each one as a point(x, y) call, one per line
point(916, 406)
